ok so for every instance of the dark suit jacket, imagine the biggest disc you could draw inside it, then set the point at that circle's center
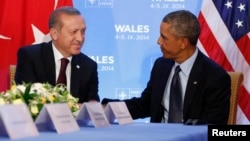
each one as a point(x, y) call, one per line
point(207, 96)
point(36, 63)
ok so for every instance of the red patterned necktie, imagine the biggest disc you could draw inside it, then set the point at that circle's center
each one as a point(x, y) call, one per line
point(62, 79)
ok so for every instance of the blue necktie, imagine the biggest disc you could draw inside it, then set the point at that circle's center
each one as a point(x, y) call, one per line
point(175, 103)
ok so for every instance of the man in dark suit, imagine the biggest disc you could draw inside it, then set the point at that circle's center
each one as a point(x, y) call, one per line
point(205, 85)
point(41, 62)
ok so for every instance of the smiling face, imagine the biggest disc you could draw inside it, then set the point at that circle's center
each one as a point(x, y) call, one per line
point(69, 36)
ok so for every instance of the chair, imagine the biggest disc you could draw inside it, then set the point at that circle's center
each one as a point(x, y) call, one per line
point(236, 82)
point(12, 74)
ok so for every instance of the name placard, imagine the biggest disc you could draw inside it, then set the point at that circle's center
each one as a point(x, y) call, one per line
point(92, 112)
point(58, 117)
point(16, 121)
point(118, 111)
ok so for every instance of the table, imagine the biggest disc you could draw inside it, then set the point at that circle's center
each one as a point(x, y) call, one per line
point(128, 132)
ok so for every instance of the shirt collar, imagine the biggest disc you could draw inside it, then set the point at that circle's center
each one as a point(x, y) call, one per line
point(57, 55)
point(187, 65)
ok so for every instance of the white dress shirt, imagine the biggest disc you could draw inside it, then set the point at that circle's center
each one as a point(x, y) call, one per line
point(58, 56)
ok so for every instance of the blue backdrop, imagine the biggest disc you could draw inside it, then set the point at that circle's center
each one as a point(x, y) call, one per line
point(122, 38)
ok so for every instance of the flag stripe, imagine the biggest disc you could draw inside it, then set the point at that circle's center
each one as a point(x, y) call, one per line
point(219, 30)
point(226, 41)
point(243, 102)
point(215, 52)
point(241, 43)
point(228, 46)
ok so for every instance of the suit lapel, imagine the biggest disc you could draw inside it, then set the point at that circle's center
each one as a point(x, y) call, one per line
point(49, 62)
point(193, 82)
point(164, 77)
point(158, 89)
point(75, 73)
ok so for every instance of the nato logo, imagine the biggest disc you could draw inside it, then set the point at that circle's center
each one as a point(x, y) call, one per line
point(122, 93)
point(126, 93)
point(99, 3)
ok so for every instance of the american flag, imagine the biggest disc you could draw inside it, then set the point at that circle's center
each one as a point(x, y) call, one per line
point(225, 38)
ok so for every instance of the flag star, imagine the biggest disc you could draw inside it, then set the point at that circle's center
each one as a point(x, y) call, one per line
point(242, 7)
point(239, 23)
point(228, 4)
point(40, 36)
point(4, 37)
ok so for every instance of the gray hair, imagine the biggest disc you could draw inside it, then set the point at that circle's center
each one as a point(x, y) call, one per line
point(54, 19)
point(184, 24)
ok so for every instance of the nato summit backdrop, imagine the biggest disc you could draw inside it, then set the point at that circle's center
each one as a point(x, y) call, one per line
point(122, 35)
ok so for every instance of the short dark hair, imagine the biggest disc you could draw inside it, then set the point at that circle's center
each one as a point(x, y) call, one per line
point(184, 24)
point(54, 19)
